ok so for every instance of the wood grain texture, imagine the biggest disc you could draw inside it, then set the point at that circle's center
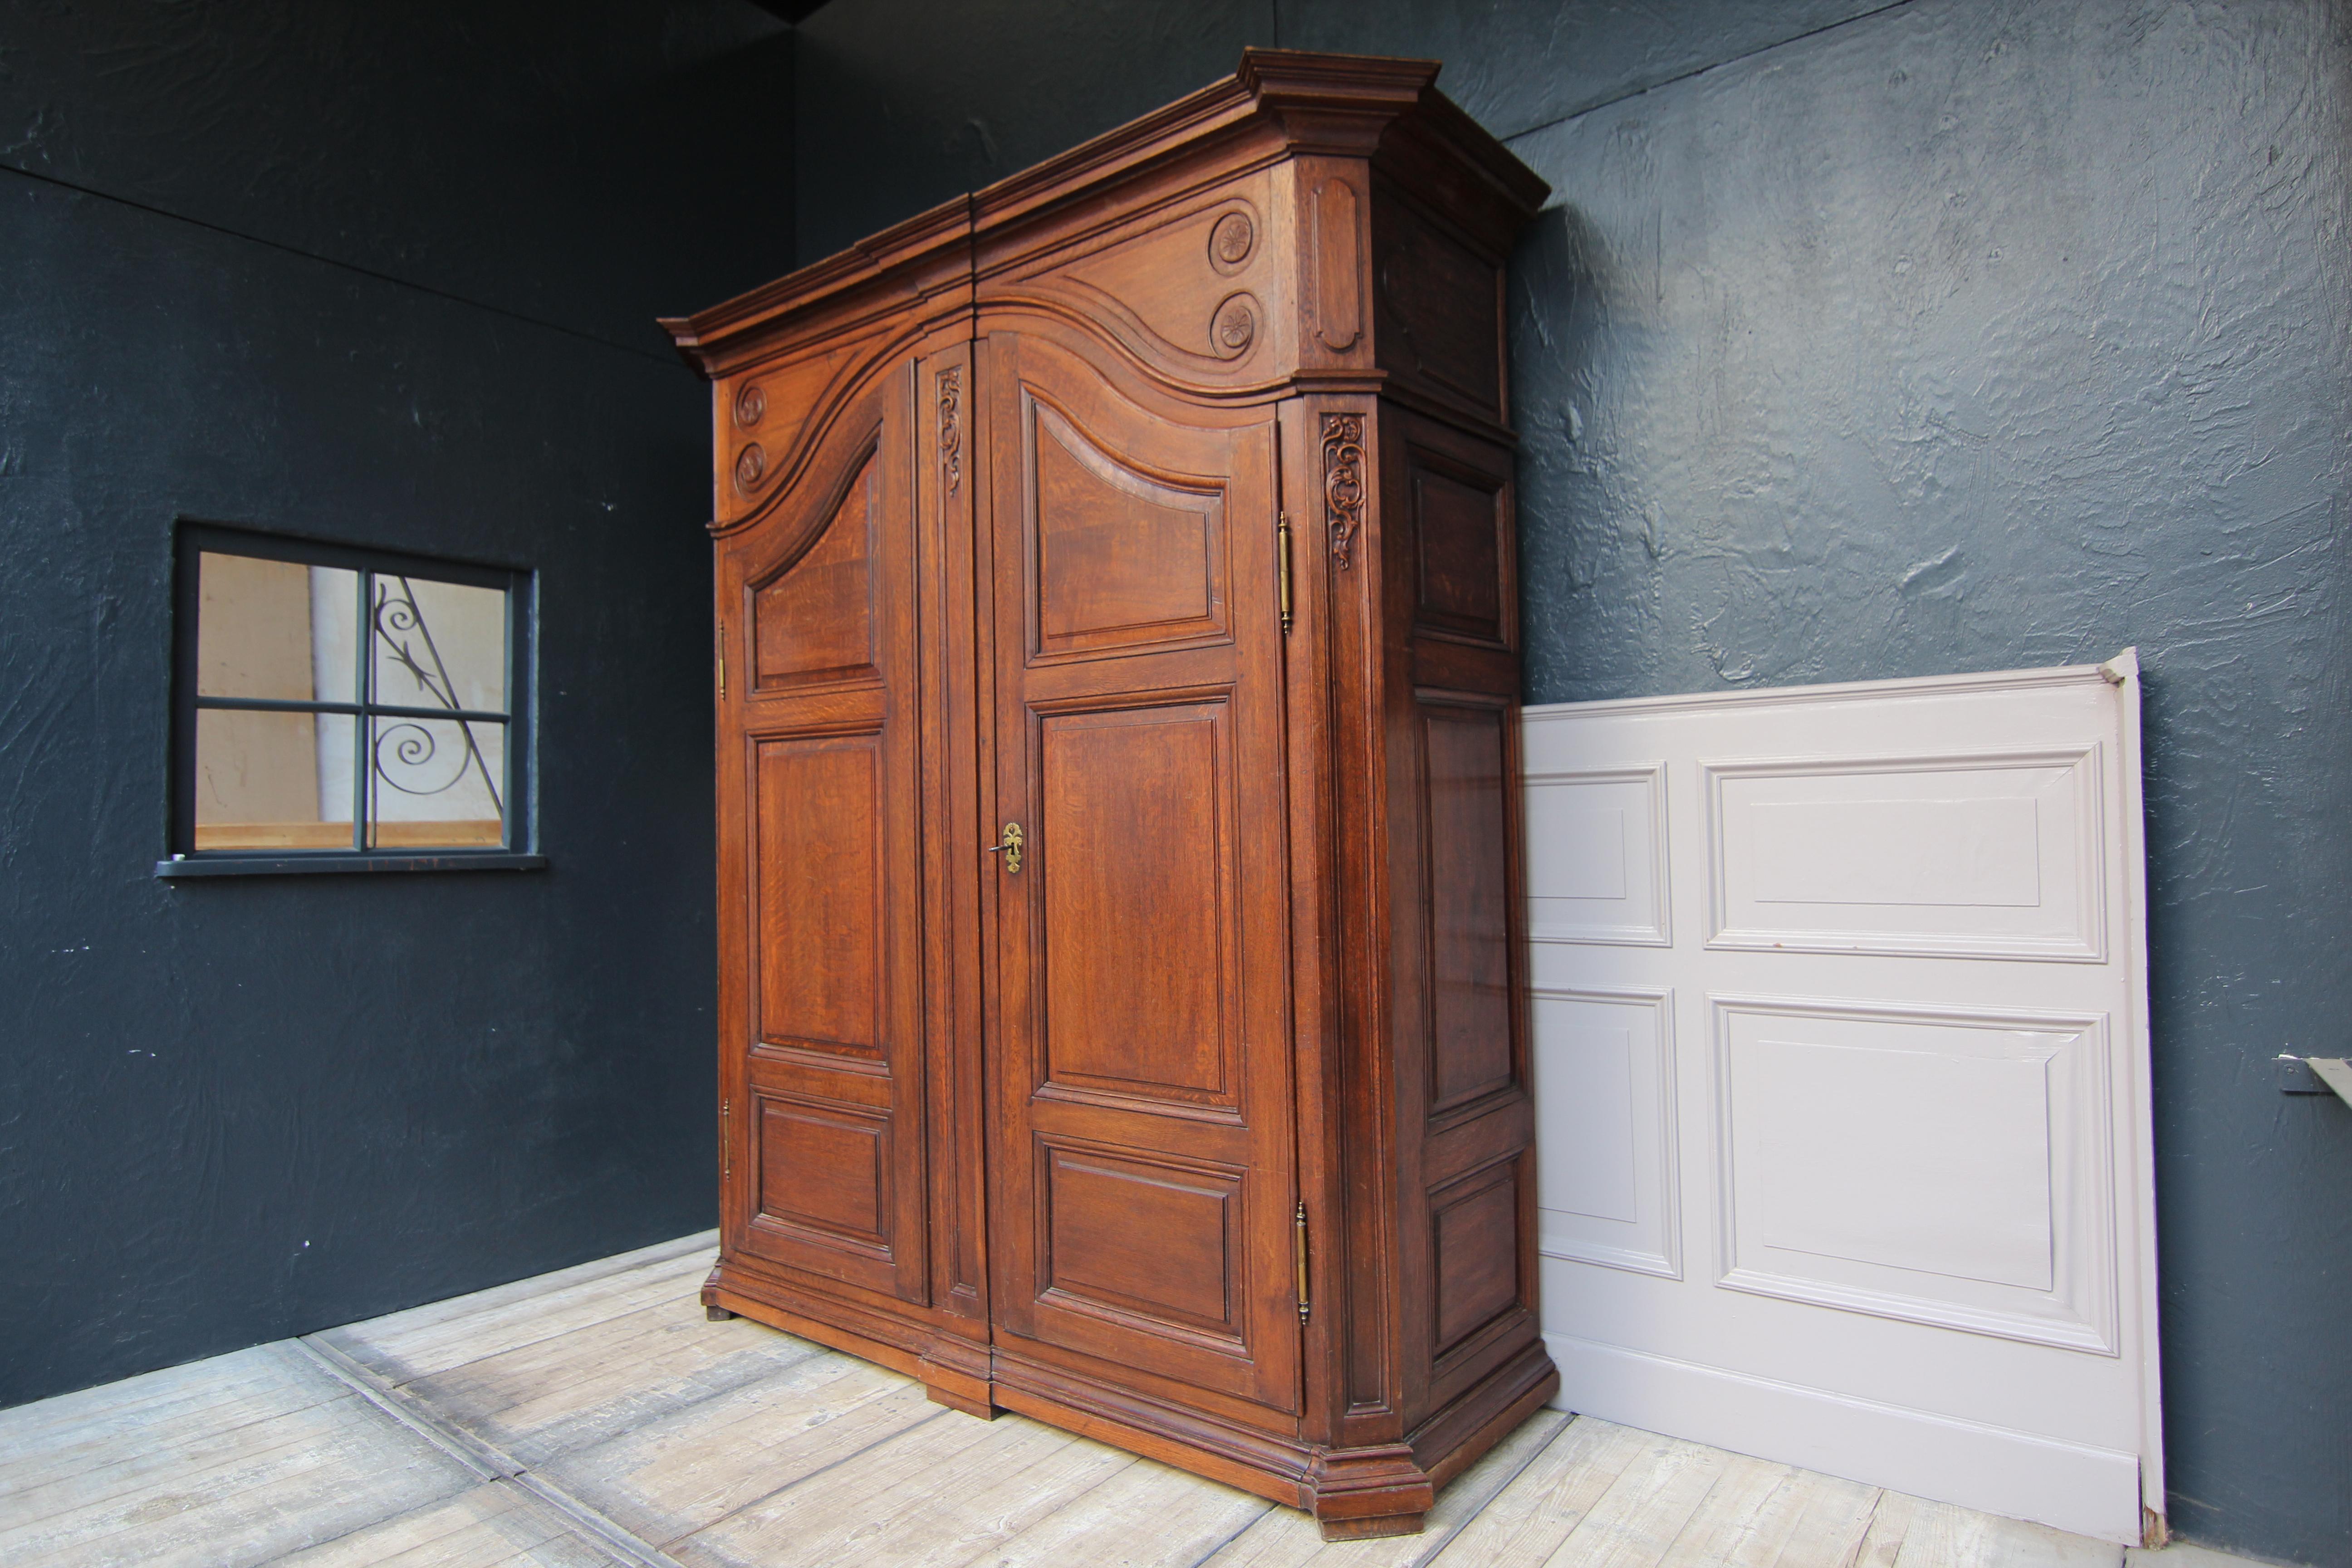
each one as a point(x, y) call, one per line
point(1087, 460)
point(215, 1481)
point(493, 1526)
point(1141, 1141)
point(1285, 1537)
point(725, 1445)
point(442, 1334)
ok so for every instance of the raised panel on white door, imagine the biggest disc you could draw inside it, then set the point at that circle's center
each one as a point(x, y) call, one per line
point(1605, 1186)
point(1597, 856)
point(1939, 1166)
point(1959, 856)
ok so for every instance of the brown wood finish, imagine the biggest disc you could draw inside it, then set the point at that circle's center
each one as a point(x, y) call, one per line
point(1142, 1145)
point(1001, 499)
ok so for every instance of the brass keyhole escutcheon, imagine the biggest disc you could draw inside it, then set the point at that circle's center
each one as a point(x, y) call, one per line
point(1008, 846)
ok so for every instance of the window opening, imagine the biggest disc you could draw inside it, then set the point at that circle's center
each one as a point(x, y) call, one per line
point(342, 705)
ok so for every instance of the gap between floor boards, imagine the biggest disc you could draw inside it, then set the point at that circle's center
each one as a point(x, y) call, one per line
point(492, 1464)
point(619, 1544)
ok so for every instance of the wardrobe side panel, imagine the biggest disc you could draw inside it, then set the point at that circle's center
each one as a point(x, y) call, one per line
point(1465, 1118)
point(1437, 310)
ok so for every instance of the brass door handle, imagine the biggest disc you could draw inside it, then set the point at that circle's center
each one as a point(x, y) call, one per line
point(1008, 846)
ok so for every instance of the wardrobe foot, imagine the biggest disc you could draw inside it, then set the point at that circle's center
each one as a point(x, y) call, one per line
point(1371, 1529)
point(717, 1314)
point(959, 1399)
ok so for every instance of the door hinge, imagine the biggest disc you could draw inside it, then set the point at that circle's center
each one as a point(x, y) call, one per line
point(722, 660)
point(1300, 1219)
point(1281, 564)
point(726, 1138)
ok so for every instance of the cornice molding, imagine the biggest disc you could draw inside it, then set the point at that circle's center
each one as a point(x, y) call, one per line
point(1301, 103)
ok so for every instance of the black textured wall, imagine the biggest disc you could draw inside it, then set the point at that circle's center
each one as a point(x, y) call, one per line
point(382, 275)
point(1871, 340)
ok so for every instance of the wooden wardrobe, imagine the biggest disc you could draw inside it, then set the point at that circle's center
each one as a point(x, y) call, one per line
point(1121, 1006)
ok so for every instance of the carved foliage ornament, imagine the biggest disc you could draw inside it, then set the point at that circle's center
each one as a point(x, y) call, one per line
point(1343, 480)
point(952, 428)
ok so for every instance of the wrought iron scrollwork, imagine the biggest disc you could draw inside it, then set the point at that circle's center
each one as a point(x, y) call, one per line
point(400, 629)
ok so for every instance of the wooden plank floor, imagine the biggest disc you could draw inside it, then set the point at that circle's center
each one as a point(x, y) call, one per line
point(594, 1416)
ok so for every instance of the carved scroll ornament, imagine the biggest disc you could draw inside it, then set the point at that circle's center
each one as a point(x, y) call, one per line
point(952, 428)
point(1343, 480)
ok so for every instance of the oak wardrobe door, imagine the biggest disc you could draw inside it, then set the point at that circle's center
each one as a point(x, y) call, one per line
point(820, 867)
point(1141, 1152)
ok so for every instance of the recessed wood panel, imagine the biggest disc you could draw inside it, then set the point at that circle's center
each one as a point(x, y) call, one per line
point(1469, 922)
point(1338, 314)
point(1439, 308)
point(814, 620)
point(825, 1168)
point(1474, 1251)
point(1154, 1239)
point(1120, 558)
point(818, 959)
point(1458, 524)
point(1131, 843)
point(1168, 290)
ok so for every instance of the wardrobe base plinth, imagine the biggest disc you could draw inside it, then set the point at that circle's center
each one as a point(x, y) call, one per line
point(960, 1391)
point(1372, 1529)
point(1355, 1494)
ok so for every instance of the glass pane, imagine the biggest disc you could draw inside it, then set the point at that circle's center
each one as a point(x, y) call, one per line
point(274, 630)
point(273, 781)
point(439, 645)
point(436, 783)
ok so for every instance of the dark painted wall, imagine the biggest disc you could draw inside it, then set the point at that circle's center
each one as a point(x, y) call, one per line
point(385, 275)
point(579, 163)
point(1976, 335)
point(1879, 339)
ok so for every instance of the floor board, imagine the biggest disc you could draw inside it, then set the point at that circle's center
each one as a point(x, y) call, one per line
point(940, 1494)
point(1285, 1537)
point(680, 1441)
point(597, 1383)
point(490, 1526)
point(236, 1490)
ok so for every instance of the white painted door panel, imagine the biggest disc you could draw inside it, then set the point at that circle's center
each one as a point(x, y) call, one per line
point(1842, 1150)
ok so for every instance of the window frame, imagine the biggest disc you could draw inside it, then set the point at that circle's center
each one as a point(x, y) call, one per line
point(516, 852)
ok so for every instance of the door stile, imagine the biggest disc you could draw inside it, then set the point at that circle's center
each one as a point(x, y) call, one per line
point(1313, 922)
point(731, 882)
point(977, 601)
point(944, 459)
point(1344, 433)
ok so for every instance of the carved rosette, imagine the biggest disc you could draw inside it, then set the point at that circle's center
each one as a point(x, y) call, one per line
point(1343, 480)
point(1231, 240)
point(1234, 327)
point(952, 428)
point(750, 405)
point(751, 467)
